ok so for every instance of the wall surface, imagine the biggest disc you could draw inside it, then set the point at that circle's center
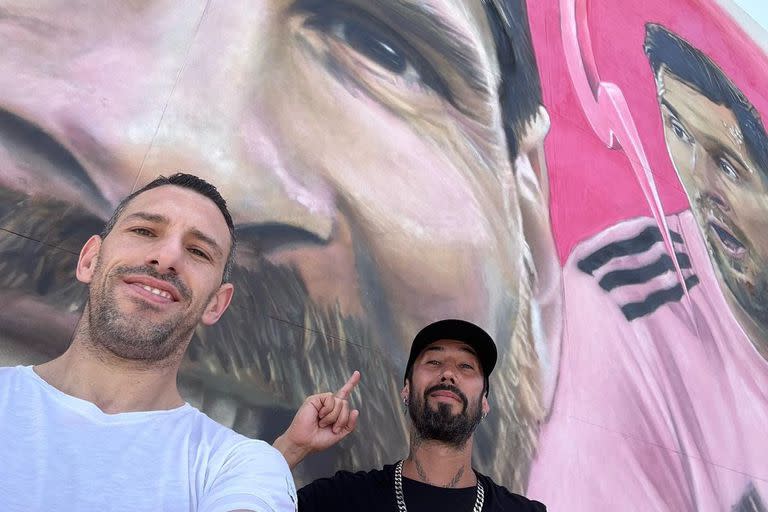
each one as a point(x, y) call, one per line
point(586, 179)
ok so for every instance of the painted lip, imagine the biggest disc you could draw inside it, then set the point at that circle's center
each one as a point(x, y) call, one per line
point(141, 283)
point(728, 241)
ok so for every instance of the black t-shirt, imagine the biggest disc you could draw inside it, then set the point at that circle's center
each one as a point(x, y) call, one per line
point(374, 491)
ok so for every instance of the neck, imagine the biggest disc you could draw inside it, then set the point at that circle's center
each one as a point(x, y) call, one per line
point(90, 372)
point(439, 464)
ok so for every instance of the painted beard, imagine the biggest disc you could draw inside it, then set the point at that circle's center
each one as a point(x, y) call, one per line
point(441, 424)
point(746, 277)
point(272, 348)
point(121, 334)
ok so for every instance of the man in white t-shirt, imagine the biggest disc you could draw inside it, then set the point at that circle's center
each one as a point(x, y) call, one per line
point(103, 426)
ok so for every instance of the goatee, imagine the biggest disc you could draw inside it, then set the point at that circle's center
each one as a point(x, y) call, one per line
point(453, 429)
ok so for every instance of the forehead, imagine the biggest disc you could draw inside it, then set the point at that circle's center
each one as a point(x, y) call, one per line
point(713, 122)
point(449, 347)
point(181, 208)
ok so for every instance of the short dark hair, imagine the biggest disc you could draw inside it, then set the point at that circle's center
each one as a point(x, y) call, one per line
point(520, 86)
point(191, 182)
point(690, 65)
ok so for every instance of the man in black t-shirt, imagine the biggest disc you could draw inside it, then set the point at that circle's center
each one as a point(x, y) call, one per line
point(446, 394)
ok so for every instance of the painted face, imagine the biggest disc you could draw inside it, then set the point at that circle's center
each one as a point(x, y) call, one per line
point(726, 189)
point(359, 145)
point(157, 274)
point(445, 392)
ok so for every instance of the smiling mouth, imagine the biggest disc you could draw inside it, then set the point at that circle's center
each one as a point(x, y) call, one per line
point(729, 242)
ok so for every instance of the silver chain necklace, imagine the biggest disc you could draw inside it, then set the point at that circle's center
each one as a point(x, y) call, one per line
point(401, 499)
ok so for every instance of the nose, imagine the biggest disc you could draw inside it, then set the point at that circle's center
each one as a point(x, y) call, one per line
point(210, 105)
point(448, 375)
point(227, 123)
point(164, 255)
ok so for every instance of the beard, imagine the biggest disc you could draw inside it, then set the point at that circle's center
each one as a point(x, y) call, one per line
point(125, 337)
point(273, 347)
point(441, 424)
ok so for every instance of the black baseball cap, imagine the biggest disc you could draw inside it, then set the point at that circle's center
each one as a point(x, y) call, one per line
point(459, 330)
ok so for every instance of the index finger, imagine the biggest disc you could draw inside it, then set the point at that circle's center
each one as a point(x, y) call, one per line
point(348, 386)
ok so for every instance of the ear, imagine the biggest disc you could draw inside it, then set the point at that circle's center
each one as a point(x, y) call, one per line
point(532, 148)
point(218, 304)
point(486, 406)
point(405, 391)
point(546, 308)
point(89, 257)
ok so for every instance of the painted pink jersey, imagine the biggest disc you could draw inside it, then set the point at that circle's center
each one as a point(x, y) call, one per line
point(662, 402)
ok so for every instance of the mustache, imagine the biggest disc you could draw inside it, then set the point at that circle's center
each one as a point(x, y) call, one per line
point(150, 271)
point(448, 387)
point(275, 345)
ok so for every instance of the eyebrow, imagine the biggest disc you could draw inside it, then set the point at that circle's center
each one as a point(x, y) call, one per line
point(439, 348)
point(156, 218)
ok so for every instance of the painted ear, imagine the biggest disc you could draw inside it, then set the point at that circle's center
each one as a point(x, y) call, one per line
point(486, 406)
point(89, 257)
point(218, 304)
point(546, 308)
point(405, 391)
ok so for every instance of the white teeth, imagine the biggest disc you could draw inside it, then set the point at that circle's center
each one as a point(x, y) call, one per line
point(156, 291)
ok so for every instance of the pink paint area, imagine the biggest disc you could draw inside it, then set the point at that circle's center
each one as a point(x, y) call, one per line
point(593, 186)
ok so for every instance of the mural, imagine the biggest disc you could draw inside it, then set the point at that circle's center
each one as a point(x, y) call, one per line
point(585, 180)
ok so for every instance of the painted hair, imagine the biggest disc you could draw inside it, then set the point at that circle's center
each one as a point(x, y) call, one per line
point(676, 56)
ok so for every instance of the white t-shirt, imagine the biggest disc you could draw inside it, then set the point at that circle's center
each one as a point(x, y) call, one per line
point(58, 452)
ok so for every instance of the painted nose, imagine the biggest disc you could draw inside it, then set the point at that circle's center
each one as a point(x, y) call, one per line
point(224, 122)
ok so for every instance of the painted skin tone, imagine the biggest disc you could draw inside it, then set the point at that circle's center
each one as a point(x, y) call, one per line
point(352, 145)
point(728, 197)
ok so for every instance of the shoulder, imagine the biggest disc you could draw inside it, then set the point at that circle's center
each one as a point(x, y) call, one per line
point(13, 373)
point(242, 473)
point(502, 498)
point(353, 490)
point(628, 265)
point(343, 479)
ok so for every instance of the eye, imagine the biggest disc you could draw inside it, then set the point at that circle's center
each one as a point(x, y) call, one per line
point(679, 130)
point(433, 362)
point(467, 366)
point(142, 232)
point(374, 44)
point(728, 169)
point(200, 254)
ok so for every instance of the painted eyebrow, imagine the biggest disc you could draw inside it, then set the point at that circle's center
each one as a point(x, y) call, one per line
point(424, 20)
point(162, 219)
point(671, 109)
point(728, 152)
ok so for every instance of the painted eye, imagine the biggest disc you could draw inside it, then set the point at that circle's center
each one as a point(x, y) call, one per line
point(728, 169)
point(379, 49)
point(680, 131)
point(376, 44)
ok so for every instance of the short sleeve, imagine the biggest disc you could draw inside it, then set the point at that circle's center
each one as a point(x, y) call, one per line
point(253, 476)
